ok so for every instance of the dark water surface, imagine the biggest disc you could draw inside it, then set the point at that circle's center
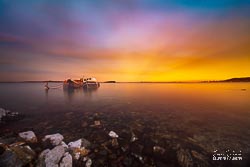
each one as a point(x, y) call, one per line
point(199, 118)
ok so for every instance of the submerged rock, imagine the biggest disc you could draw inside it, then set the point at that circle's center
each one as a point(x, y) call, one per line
point(10, 159)
point(54, 139)
point(97, 123)
point(140, 158)
point(184, 158)
point(6, 115)
point(133, 138)
point(158, 149)
point(88, 163)
point(28, 136)
point(114, 142)
point(113, 134)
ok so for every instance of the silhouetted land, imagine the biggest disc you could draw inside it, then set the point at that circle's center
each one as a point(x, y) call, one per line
point(245, 79)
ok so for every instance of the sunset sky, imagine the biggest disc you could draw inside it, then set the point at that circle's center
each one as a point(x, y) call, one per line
point(124, 40)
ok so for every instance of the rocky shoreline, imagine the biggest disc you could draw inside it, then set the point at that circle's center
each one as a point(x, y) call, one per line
point(101, 143)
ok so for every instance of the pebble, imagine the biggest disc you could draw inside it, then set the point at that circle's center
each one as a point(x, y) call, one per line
point(158, 149)
point(113, 134)
point(97, 123)
point(88, 163)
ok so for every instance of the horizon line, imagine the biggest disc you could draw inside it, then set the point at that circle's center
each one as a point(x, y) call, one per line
point(235, 79)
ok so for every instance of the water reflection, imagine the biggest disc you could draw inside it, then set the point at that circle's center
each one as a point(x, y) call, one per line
point(199, 117)
point(71, 94)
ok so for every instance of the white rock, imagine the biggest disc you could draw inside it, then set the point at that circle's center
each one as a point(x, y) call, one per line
point(75, 144)
point(53, 157)
point(41, 158)
point(88, 163)
point(2, 113)
point(66, 160)
point(43, 153)
point(113, 134)
point(55, 139)
point(28, 136)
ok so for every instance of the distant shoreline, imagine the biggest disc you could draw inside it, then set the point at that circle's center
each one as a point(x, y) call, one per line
point(232, 80)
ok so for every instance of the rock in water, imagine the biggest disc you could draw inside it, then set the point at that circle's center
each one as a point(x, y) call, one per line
point(53, 157)
point(75, 144)
point(10, 159)
point(41, 158)
point(66, 160)
point(158, 149)
point(17, 156)
point(97, 123)
point(28, 136)
point(113, 134)
point(6, 115)
point(114, 142)
point(133, 138)
point(55, 139)
point(79, 143)
point(78, 148)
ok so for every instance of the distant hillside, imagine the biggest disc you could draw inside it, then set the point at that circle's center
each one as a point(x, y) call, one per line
point(244, 79)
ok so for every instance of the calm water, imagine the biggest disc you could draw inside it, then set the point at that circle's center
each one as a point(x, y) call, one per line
point(210, 116)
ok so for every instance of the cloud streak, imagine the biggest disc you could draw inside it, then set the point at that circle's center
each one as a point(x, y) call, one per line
point(142, 40)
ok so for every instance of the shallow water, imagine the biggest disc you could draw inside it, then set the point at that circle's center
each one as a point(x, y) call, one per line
point(197, 116)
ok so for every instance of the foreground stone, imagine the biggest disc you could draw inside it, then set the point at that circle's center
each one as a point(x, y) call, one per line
point(75, 144)
point(28, 136)
point(79, 143)
point(66, 160)
point(78, 149)
point(51, 158)
point(16, 156)
point(54, 139)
